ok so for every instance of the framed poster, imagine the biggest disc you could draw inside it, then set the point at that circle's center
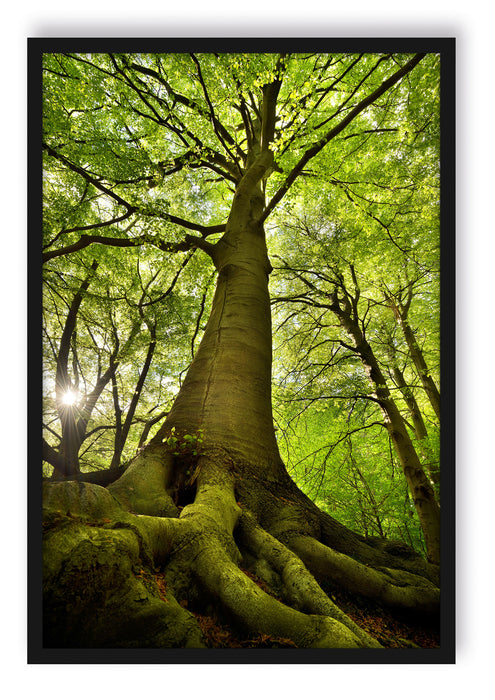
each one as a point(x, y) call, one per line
point(242, 264)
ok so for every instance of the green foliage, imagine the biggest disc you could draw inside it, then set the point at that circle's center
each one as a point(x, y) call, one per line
point(142, 149)
point(185, 445)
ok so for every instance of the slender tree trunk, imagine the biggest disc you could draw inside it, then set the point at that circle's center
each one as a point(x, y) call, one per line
point(420, 431)
point(419, 485)
point(419, 425)
point(371, 496)
point(68, 449)
point(400, 305)
point(117, 443)
point(123, 429)
point(432, 467)
point(74, 419)
point(421, 366)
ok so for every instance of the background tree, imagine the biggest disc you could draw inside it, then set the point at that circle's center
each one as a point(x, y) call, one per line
point(65, 460)
point(342, 298)
point(205, 519)
point(400, 304)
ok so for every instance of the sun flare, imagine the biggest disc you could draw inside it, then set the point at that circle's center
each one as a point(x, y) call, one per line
point(69, 398)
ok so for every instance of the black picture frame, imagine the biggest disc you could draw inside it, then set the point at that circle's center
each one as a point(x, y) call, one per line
point(37, 654)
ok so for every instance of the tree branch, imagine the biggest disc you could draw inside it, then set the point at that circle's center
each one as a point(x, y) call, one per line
point(61, 375)
point(319, 145)
point(220, 131)
point(83, 173)
point(101, 224)
point(188, 243)
point(268, 110)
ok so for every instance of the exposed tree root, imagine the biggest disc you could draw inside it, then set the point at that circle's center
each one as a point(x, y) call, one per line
point(295, 583)
point(99, 589)
point(283, 510)
point(392, 587)
point(375, 551)
point(116, 578)
point(143, 486)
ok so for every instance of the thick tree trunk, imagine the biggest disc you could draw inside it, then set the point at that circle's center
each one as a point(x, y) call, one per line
point(227, 390)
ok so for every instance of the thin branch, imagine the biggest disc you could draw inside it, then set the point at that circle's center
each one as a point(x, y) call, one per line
point(319, 145)
point(83, 173)
point(218, 127)
point(90, 227)
point(172, 284)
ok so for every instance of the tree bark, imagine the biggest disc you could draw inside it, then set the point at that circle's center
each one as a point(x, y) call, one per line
point(227, 390)
point(68, 450)
point(432, 467)
point(419, 361)
point(400, 307)
point(419, 425)
point(421, 490)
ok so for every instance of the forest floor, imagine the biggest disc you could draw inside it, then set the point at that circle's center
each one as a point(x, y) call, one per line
point(391, 630)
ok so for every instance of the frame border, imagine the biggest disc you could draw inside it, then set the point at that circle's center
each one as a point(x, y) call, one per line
point(446, 47)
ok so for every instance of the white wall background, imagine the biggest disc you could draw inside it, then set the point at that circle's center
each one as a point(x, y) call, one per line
point(470, 23)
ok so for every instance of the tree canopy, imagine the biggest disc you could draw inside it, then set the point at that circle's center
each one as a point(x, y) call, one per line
point(155, 167)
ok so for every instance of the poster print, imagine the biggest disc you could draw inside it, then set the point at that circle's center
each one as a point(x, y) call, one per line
point(243, 248)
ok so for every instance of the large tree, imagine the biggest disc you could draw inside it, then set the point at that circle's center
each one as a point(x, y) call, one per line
point(160, 155)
